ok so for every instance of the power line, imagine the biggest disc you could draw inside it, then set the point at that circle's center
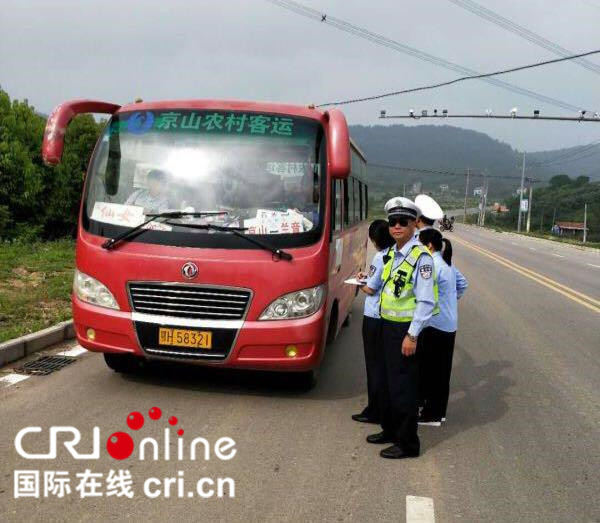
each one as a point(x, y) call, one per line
point(445, 173)
point(378, 39)
point(489, 116)
point(523, 32)
point(569, 155)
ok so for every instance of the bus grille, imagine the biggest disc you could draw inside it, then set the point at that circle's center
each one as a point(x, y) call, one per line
point(189, 301)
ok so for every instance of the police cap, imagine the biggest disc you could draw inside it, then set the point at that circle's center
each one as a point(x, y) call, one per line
point(400, 206)
point(428, 207)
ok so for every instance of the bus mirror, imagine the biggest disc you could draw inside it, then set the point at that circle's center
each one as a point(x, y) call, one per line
point(338, 145)
point(56, 126)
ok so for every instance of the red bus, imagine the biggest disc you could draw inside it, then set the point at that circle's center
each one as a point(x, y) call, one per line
point(215, 232)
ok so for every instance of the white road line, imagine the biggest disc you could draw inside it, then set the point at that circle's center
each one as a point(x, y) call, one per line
point(532, 249)
point(592, 265)
point(11, 379)
point(73, 353)
point(419, 510)
point(513, 243)
point(557, 255)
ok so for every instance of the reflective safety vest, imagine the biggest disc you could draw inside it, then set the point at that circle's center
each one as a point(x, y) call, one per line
point(398, 301)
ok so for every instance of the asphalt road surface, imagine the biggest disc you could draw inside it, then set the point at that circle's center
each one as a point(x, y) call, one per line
point(522, 440)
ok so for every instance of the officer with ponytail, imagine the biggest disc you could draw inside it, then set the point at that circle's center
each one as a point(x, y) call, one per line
point(408, 300)
point(436, 344)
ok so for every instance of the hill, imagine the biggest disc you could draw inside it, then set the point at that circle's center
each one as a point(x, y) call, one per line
point(447, 148)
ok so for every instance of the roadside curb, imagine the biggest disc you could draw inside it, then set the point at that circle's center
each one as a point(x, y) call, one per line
point(18, 348)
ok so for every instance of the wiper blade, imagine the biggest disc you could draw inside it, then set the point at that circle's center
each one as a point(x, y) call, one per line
point(138, 229)
point(281, 254)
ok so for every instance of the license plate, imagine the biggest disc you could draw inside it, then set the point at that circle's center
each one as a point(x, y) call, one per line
point(185, 338)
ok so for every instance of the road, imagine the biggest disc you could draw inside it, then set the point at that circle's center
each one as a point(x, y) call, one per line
point(522, 440)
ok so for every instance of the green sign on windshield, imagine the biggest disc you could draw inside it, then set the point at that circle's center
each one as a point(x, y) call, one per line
point(203, 122)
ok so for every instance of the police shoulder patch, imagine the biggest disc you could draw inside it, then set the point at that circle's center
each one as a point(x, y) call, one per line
point(426, 271)
point(371, 270)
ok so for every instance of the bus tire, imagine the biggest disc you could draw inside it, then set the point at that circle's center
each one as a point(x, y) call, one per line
point(125, 363)
point(307, 380)
point(347, 320)
point(332, 327)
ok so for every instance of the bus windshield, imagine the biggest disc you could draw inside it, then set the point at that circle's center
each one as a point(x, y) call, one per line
point(263, 173)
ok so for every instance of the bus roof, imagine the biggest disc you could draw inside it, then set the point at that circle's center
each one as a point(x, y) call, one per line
point(228, 105)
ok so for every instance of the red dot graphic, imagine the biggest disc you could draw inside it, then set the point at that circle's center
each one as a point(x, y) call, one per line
point(180, 432)
point(155, 413)
point(135, 421)
point(119, 445)
point(173, 420)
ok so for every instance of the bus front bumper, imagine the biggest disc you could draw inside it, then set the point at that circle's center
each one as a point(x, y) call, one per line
point(281, 345)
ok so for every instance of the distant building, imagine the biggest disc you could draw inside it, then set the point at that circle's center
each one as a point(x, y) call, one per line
point(478, 191)
point(416, 188)
point(444, 188)
point(518, 191)
point(568, 229)
point(498, 207)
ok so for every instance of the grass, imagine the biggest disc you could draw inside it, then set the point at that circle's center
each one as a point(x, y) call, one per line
point(35, 286)
point(535, 234)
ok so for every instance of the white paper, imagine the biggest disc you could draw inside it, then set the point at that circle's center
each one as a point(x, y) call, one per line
point(118, 214)
point(354, 281)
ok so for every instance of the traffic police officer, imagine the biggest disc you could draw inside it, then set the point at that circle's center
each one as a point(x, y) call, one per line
point(429, 213)
point(408, 300)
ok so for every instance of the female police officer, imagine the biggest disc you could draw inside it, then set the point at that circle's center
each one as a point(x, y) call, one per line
point(408, 300)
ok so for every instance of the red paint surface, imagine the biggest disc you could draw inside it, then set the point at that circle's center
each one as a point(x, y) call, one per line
point(260, 344)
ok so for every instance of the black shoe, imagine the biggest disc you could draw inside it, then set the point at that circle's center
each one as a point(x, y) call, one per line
point(363, 418)
point(380, 437)
point(396, 452)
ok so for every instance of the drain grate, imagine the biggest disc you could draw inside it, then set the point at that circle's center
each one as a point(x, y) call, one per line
point(44, 365)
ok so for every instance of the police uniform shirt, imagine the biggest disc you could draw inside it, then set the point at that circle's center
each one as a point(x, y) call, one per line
point(422, 280)
point(451, 286)
point(372, 300)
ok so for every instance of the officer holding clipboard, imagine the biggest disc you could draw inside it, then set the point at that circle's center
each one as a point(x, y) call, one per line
point(408, 300)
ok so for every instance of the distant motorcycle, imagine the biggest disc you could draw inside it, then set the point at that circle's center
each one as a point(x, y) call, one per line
point(446, 225)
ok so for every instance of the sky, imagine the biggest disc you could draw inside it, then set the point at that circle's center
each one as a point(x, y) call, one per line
point(55, 50)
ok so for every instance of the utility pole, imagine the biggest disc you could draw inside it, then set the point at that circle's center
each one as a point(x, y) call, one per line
point(529, 204)
point(554, 217)
point(466, 194)
point(404, 190)
point(485, 195)
point(521, 195)
point(584, 223)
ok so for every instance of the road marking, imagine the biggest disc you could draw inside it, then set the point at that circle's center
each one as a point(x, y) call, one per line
point(73, 353)
point(419, 510)
point(532, 249)
point(11, 379)
point(557, 255)
point(513, 243)
point(592, 265)
point(572, 294)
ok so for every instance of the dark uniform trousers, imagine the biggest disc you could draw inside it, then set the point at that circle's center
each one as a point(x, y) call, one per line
point(435, 352)
point(371, 333)
point(398, 378)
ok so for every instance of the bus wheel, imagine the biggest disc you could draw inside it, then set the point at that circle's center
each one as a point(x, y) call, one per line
point(307, 380)
point(332, 328)
point(124, 363)
point(347, 320)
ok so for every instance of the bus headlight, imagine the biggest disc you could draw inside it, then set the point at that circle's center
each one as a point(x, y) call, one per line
point(297, 304)
point(90, 290)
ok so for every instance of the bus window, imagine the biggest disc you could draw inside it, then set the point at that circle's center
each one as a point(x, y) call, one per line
point(360, 195)
point(356, 201)
point(346, 203)
point(337, 210)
